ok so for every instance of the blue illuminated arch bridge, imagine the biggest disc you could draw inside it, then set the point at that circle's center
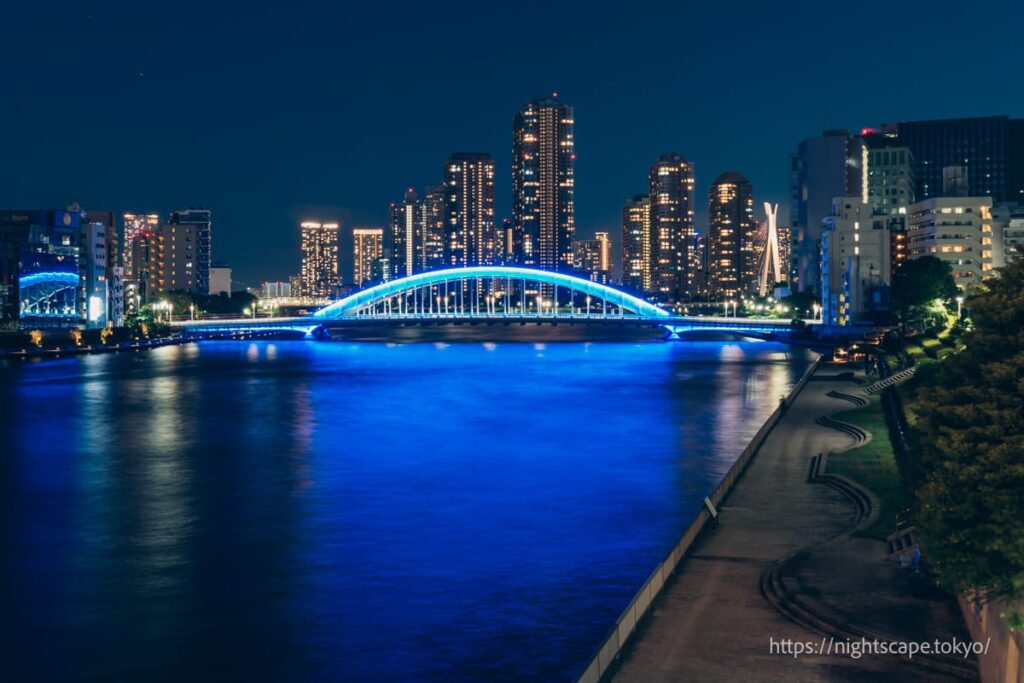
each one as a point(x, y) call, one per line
point(490, 294)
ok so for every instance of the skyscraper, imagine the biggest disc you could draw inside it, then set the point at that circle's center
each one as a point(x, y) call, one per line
point(202, 220)
point(785, 250)
point(823, 168)
point(406, 248)
point(636, 243)
point(732, 262)
point(319, 273)
point(672, 232)
point(543, 160)
point(433, 227)
point(469, 237)
point(506, 243)
point(368, 244)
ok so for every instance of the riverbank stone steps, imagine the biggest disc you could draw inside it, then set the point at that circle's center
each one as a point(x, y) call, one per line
point(855, 400)
point(781, 586)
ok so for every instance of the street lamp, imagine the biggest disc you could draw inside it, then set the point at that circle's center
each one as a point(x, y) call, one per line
point(192, 311)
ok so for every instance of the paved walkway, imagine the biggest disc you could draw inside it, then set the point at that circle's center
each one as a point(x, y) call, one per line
point(712, 622)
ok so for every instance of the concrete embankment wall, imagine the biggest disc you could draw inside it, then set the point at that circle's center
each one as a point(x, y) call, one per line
point(637, 608)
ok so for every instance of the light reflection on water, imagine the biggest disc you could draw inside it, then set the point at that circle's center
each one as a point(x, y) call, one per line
point(355, 511)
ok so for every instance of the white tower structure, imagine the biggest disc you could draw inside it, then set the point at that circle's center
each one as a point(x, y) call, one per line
point(772, 261)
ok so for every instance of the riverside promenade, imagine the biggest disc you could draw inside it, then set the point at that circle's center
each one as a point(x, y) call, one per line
point(715, 620)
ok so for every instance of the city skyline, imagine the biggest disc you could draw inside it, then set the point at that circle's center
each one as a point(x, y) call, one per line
point(339, 160)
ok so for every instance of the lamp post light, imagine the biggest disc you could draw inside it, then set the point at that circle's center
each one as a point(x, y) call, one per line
point(192, 311)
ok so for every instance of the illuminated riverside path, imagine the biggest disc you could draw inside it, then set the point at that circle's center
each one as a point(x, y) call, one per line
point(344, 511)
point(492, 295)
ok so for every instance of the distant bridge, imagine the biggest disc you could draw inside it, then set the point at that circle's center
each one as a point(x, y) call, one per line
point(490, 295)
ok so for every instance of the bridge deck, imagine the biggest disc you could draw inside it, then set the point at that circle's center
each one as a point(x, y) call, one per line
point(307, 323)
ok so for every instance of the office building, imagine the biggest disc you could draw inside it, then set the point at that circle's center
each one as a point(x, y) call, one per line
point(592, 259)
point(41, 283)
point(855, 273)
point(319, 270)
point(543, 183)
point(731, 256)
point(891, 184)
point(671, 183)
point(636, 244)
point(957, 230)
point(202, 233)
point(823, 168)
point(990, 148)
point(368, 251)
point(469, 210)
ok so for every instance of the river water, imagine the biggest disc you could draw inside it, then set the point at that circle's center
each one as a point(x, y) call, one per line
point(354, 511)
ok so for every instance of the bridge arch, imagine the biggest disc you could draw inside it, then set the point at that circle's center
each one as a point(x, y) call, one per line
point(368, 299)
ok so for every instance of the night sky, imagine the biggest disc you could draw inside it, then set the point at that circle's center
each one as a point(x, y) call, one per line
point(270, 114)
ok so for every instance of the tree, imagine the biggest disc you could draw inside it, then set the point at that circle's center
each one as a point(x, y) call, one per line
point(801, 303)
point(969, 435)
point(919, 282)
